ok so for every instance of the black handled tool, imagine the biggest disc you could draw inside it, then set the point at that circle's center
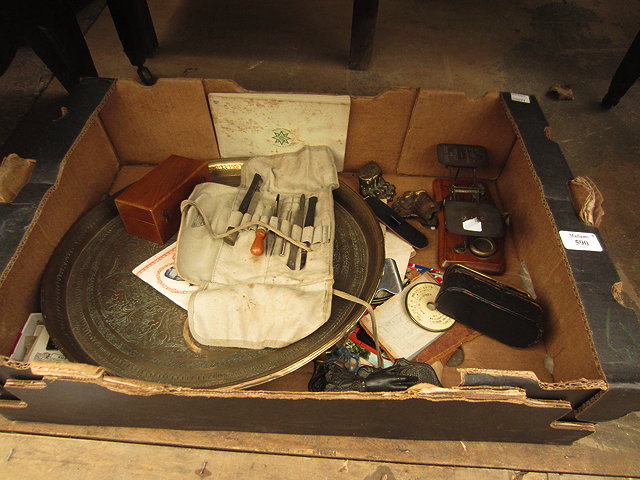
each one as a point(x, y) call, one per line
point(396, 223)
point(308, 222)
point(271, 237)
point(293, 252)
point(244, 206)
point(287, 231)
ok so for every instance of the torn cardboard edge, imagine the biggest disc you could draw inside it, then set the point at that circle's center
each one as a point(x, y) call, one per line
point(26, 384)
point(533, 421)
point(576, 391)
point(12, 404)
point(580, 426)
point(552, 220)
point(613, 329)
point(467, 375)
point(420, 391)
point(29, 223)
point(546, 263)
point(67, 370)
point(466, 391)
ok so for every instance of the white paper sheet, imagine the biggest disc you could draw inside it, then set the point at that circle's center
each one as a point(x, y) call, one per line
point(159, 271)
point(399, 336)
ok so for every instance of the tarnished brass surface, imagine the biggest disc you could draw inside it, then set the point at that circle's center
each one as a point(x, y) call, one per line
point(98, 312)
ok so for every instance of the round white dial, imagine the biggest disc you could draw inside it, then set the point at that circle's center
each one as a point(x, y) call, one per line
point(422, 310)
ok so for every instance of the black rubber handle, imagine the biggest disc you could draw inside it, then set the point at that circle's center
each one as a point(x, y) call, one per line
point(396, 223)
point(246, 201)
point(311, 212)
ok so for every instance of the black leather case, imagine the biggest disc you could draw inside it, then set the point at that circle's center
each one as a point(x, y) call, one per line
point(490, 307)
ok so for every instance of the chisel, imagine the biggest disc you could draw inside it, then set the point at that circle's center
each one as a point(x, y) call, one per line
point(274, 222)
point(286, 231)
point(244, 206)
point(293, 252)
point(308, 222)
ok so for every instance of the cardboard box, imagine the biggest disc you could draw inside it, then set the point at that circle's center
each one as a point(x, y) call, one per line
point(585, 370)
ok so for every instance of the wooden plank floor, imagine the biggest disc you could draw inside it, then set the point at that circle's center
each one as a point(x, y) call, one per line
point(612, 450)
point(44, 457)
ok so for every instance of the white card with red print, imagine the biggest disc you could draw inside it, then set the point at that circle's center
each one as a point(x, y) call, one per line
point(160, 272)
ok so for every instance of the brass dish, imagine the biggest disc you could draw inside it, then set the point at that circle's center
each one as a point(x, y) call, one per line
point(98, 312)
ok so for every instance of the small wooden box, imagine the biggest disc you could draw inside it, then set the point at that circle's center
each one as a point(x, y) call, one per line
point(150, 208)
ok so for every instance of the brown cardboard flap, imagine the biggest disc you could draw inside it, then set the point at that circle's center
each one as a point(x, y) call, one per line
point(127, 175)
point(412, 416)
point(12, 367)
point(12, 404)
point(537, 243)
point(486, 353)
point(610, 404)
point(85, 174)
point(26, 384)
point(451, 117)
point(67, 370)
point(148, 124)
point(377, 129)
point(222, 86)
point(576, 392)
point(468, 391)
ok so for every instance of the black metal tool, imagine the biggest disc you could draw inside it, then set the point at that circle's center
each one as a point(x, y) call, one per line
point(244, 206)
point(396, 223)
point(293, 253)
point(271, 236)
point(286, 230)
point(308, 222)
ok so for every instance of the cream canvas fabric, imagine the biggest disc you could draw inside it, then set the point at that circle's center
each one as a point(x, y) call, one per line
point(257, 301)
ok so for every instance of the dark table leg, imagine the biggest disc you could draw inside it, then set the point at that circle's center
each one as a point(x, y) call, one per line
point(52, 30)
point(627, 73)
point(135, 28)
point(363, 27)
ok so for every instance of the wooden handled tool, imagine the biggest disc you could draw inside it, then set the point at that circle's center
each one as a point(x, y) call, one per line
point(258, 245)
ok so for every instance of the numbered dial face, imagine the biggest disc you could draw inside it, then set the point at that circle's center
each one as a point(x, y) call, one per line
point(422, 309)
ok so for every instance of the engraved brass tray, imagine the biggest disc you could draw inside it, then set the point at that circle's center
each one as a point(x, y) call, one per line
point(98, 312)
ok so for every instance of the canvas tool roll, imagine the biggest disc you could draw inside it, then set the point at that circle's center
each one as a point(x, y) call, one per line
point(257, 301)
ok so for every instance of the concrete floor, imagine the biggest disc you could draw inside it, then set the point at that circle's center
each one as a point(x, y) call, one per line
point(471, 46)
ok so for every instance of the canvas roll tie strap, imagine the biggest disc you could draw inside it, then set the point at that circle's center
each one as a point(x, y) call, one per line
point(374, 324)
